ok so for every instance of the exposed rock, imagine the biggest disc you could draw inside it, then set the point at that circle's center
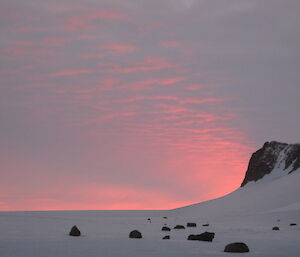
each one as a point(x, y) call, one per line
point(293, 157)
point(275, 228)
point(192, 237)
point(191, 224)
point(206, 236)
point(271, 154)
point(165, 228)
point(293, 224)
point(179, 227)
point(135, 234)
point(205, 225)
point(236, 248)
point(75, 231)
point(166, 237)
point(165, 217)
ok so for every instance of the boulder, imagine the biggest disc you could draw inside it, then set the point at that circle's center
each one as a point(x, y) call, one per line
point(179, 227)
point(206, 236)
point(191, 224)
point(75, 231)
point(165, 228)
point(236, 248)
point(135, 234)
point(166, 237)
point(275, 228)
point(192, 237)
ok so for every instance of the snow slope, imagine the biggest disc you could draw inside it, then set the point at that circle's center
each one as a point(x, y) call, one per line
point(274, 191)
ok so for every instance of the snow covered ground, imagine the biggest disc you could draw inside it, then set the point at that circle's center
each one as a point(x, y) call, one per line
point(246, 215)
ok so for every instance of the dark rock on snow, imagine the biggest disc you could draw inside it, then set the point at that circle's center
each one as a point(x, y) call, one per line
point(191, 224)
point(166, 237)
point(293, 224)
point(165, 228)
point(205, 225)
point(75, 231)
point(264, 160)
point(179, 227)
point(275, 228)
point(236, 248)
point(135, 234)
point(206, 236)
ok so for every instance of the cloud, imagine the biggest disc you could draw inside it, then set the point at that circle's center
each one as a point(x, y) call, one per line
point(119, 48)
point(171, 44)
point(168, 97)
point(87, 19)
point(71, 73)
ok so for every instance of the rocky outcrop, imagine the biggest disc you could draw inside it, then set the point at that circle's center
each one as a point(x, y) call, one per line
point(206, 236)
point(191, 224)
point(165, 228)
point(135, 234)
point(74, 231)
point(273, 155)
point(179, 227)
point(238, 247)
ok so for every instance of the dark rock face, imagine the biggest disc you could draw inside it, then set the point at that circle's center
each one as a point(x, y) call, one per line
point(293, 224)
point(275, 228)
point(166, 237)
point(206, 236)
point(293, 158)
point(165, 228)
point(205, 225)
point(236, 248)
point(135, 234)
point(191, 224)
point(75, 231)
point(179, 227)
point(265, 159)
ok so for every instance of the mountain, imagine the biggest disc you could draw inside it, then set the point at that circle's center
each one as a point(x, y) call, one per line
point(273, 157)
point(271, 184)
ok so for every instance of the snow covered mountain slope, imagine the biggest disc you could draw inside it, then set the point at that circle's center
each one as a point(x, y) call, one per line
point(257, 197)
point(271, 184)
point(274, 157)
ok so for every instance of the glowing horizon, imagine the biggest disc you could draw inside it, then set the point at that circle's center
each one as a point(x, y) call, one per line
point(140, 104)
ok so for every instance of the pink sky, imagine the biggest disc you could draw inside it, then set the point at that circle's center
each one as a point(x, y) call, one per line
point(139, 104)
